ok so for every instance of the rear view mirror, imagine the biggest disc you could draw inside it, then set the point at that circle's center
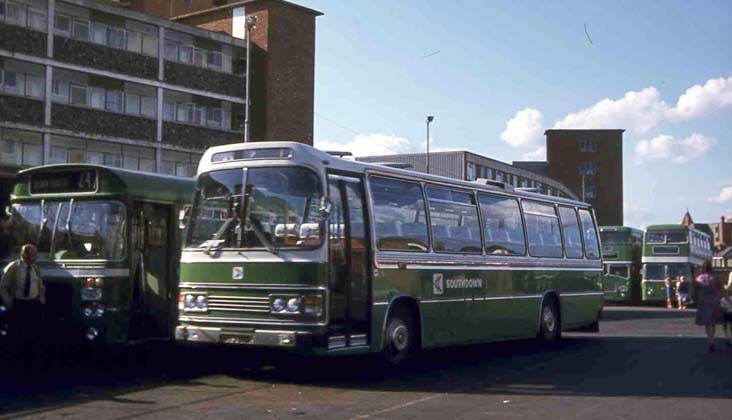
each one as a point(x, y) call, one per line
point(183, 216)
point(326, 206)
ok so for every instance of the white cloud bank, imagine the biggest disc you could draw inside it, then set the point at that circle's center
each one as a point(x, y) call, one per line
point(525, 129)
point(637, 111)
point(679, 151)
point(714, 96)
point(725, 196)
point(371, 145)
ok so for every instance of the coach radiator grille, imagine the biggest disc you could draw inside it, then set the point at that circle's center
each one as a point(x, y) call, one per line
point(248, 304)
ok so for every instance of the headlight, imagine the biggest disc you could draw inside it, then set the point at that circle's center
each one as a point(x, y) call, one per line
point(193, 302)
point(623, 289)
point(293, 305)
point(88, 312)
point(649, 291)
point(90, 293)
point(98, 312)
point(278, 305)
point(312, 305)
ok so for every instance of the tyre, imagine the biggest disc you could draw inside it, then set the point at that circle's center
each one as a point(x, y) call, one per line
point(400, 339)
point(550, 327)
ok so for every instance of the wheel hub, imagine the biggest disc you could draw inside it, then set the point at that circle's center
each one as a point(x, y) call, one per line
point(400, 337)
point(549, 319)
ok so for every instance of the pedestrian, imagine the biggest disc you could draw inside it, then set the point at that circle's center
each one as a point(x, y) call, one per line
point(669, 291)
point(682, 292)
point(709, 312)
point(24, 296)
point(728, 315)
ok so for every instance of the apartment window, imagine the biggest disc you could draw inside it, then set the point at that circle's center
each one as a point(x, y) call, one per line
point(58, 154)
point(80, 30)
point(214, 117)
point(132, 105)
point(588, 146)
point(116, 38)
point(60, 91)
point(171, 51)
point(215, 60)
point(96, 97)
point(99, 33)
point(21, 147)
point(471, 171)
point(2, 8)
point(590, 192)
point(78, 95)
point(16, 14)
point(114, 101)
point(148, 106)
point(195, 114)
point(181, 112)
point(198, 55)
point(185, 54)
point(37, 20)
point(588, 168)
point(134, 41)
point(34, 86)
point(62, 24)
point(150, 45)
point(169, 111)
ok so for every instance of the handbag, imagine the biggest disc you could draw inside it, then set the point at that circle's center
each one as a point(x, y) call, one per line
point(726, 304)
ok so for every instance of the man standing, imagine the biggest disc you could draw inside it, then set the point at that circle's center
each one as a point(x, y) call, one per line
point(24, 295)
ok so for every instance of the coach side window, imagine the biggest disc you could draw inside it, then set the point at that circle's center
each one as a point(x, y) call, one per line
point(454, 221)
point(504, 230)
point(571, 230)
point(592, 248)
point(542, 227)
point(399, 215)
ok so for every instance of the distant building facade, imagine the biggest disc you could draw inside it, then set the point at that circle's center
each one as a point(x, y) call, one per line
point(88, 81)
point(470, 166)
point(589, 163)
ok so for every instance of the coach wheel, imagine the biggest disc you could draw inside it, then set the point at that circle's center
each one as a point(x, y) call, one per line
point(400, 340)
point(550, 330)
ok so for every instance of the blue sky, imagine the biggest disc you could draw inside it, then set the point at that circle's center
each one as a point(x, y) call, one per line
point(496, 74)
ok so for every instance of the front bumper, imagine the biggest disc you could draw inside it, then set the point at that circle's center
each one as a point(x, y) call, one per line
point(240, 337)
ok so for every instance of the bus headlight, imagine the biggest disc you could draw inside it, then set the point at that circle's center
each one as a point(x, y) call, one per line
point(649, 291)
point(91, 294)
point(278, 305)
point(193, 302)
point(622, 289)
point(98, 312)
point(88, 312)
point(293, 305)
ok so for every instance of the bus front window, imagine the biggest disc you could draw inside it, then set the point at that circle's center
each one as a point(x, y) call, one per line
point(94, 230)
point(280, 209)
point(655, 271)
point(614, 238)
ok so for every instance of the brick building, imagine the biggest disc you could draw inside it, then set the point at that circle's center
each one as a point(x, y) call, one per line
point(721, 232)
point(471, 166)
point(87, 81)
point(590, 163)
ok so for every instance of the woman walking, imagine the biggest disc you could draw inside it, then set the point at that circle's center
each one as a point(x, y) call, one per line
point(728, 315)
point(709, 312)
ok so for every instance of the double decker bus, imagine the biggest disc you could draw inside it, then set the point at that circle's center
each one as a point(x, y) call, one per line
point(292, 247)
point(621, 254)
point(671, 251)
point(108, 248)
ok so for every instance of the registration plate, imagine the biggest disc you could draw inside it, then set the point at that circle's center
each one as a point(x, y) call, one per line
point(236, 339)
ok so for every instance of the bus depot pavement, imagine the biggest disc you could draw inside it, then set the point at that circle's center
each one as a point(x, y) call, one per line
point(646, 363)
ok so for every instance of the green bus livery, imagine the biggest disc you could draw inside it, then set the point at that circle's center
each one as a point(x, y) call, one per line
point(671, 250)
point(108, 243)
point(621, 254)
point(292, 247)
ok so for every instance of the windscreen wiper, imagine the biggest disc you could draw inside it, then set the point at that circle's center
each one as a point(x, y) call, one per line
point(259, 233)
point(218, 234)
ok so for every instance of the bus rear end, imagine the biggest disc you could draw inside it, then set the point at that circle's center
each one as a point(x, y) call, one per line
point(254, 268)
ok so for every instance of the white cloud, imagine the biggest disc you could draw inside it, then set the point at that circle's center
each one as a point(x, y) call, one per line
point(538, 154)
point(371, 145)
point(525, 129)
point(637, 216)
point(679, 151)
point(715, 95)
point(637, 111)
point(724, 196)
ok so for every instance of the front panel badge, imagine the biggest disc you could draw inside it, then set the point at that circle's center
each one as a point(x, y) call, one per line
point(237, 273)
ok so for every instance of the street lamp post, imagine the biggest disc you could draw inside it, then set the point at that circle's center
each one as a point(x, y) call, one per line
point(430, 118)
point(251, 22)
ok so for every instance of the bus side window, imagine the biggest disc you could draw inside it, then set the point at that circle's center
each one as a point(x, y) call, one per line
point(399, 215)
point(572, 236)
point(542, 226)
point(504, 229)
point(592, 248)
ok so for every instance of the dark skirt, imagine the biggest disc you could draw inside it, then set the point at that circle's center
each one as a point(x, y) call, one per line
point(708, 311)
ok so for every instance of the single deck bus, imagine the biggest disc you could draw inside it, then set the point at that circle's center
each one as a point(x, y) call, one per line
point(621, 254)
point(108, 243)
point(671, 250)
point(291, 247)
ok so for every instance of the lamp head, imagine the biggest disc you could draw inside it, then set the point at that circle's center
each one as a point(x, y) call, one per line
point(430, 119)
point(251, 22)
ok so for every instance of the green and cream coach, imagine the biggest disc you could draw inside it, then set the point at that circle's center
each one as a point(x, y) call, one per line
point(292, 247)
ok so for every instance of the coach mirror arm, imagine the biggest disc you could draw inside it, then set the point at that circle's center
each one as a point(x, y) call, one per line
point(183, 215)
point(326, 206)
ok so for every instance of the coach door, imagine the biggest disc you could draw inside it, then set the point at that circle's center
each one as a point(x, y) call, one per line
point(152, 278)
point(349, 263)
